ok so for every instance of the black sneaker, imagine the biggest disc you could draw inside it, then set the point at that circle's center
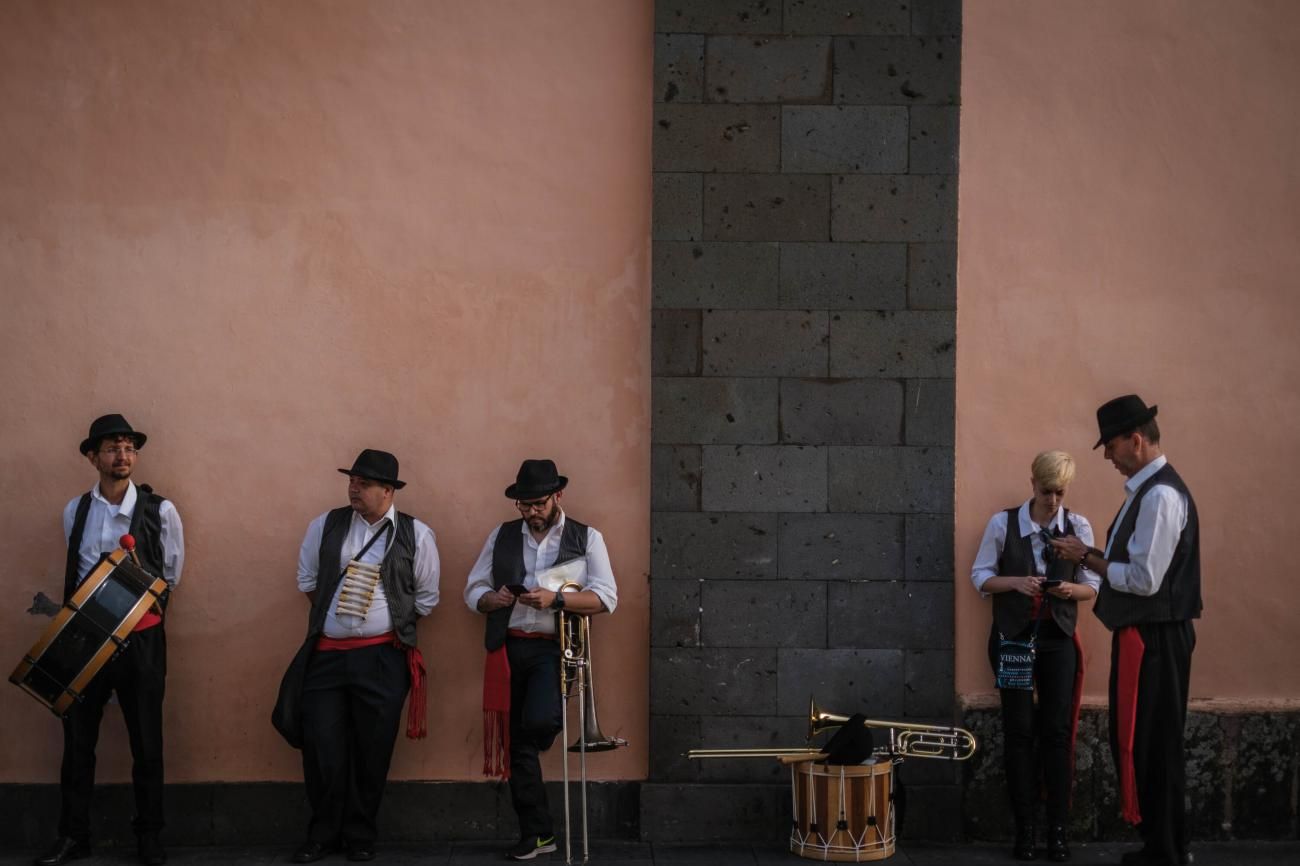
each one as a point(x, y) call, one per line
point(530, 846)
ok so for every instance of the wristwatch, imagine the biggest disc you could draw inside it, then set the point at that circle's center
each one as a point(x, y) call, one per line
point(558, 602)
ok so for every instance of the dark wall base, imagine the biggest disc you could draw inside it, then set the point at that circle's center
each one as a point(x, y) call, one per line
point(1243, 772)
point(273, 813)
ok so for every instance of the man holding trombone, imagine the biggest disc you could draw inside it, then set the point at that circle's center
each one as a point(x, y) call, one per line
point(522, 706)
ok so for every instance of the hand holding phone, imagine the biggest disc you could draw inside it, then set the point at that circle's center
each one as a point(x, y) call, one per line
point(516, 589)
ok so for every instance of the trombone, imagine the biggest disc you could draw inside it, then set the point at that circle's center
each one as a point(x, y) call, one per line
point(576, 681)
point(907, 740)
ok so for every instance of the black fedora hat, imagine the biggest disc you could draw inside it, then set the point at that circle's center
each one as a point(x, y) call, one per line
point(377, 466)
point(110, 425)
point(536, 478)
point(1122, 415)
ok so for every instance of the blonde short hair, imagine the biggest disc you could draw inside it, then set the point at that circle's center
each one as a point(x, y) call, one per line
point(1053, 470)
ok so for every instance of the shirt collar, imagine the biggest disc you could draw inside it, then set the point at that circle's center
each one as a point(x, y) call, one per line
point(127, 506)
point(1027, 527)
point(1144, 473)
point(389, 515)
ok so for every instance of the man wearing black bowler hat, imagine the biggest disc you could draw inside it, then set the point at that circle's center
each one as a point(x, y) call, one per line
point(1150, 593)
point(370, 572)
point(521, 683)
point(92, 525)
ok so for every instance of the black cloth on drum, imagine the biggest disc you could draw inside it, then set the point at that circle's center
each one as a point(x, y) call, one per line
point(1158, 750)
point(535, 719)
point(852, 743)
point(351, 712)
point(138, 674)
point(1012, 610)
point(508, 568)
point(146, 528)
point(1042, 730)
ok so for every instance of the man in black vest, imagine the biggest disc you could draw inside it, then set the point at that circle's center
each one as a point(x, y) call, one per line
point(92, 525)
point(1150, 593)
point(522, 673)
point(370, 572)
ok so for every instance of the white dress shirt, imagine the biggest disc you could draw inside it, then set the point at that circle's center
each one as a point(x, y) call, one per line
point(1151, 546)
point(995, 539)
point(539, 556)
point(106, 523)
point(378, 618)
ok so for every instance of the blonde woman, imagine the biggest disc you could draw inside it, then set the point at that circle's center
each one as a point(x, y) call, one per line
point(1013, 567)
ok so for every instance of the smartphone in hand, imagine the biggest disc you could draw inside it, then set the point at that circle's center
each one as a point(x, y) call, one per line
point(516, 589)
point(1051, 584)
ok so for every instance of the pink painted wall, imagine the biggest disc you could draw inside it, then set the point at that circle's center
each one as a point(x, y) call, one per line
point(1129, 180)
point(273, 234)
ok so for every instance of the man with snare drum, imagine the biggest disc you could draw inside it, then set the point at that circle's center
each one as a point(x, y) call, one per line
point(93, 523)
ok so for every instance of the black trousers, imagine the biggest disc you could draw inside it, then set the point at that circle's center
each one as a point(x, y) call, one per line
point(138, 674)
point(535, 719)
point(1158, 748)
point(351, 712)
point(1036, 738)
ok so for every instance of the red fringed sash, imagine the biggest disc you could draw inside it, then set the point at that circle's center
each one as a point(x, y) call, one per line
point(1129, 670)
point(417, 704)
point(496, 715)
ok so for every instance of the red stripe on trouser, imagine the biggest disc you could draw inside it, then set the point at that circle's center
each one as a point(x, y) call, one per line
point(1128, 670)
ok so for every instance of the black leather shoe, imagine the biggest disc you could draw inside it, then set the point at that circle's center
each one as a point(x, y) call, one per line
point(1058, 848)
point(1024, 847)
point(65, 848)
point(361, 851)
point(310, 852)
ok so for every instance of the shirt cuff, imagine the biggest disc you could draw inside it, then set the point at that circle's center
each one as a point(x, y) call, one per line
point(474, 595)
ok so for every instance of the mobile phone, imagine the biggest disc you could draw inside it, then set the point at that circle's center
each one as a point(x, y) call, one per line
point(516, 588)
point(1051, 584)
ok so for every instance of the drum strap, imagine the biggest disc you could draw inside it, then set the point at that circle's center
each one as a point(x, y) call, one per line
point(70, 574)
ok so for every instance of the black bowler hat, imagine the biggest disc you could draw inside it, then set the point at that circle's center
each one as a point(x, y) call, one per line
point(110, 425)
point(1122, 415)
point(536, 478)
point(377, 466)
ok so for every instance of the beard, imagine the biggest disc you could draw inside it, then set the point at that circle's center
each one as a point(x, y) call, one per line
point(541, 524)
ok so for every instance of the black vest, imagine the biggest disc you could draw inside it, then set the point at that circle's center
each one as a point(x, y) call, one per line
point(397, 571)
point(146, 528)
point(1012, 610)
point(1179, 596)
point(508, 568)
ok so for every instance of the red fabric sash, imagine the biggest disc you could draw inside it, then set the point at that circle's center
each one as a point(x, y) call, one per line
point(496, 707)
point(1128, 670)
point(417, 705)
point(496, 715)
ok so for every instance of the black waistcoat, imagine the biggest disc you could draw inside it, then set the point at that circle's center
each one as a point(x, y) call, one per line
point(1179, 596)
point(146, 528)
point(397, 571)
point(508, 567)
point(1012, 610)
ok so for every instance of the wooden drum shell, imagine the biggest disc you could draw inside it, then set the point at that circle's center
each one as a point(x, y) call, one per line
point(843, 813)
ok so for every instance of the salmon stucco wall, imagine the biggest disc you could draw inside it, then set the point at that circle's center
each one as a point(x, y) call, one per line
point(1128, 223)
point(273, 234)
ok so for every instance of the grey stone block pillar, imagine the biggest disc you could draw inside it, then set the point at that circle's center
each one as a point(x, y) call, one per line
point(805, 228)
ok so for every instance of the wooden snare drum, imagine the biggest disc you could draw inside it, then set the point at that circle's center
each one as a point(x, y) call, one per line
point(88, 631)
point(843, 813)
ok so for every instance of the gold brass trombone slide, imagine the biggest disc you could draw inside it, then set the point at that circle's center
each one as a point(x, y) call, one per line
point(907, 740)
point(576, 682)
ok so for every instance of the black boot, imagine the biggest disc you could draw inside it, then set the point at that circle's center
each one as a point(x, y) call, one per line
point(1024, 848)
point(1058, 849)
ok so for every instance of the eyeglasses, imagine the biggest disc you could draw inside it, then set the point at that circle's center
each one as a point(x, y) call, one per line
point(534, 505)
point(123, 450)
